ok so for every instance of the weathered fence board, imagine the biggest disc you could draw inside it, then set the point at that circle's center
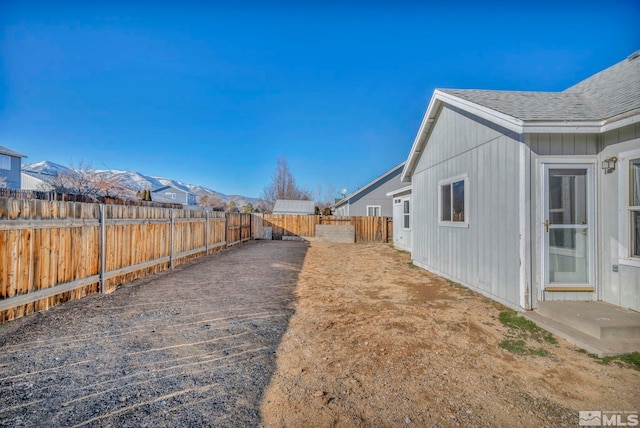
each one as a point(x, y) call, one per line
point(367, 229)
point(53, 251)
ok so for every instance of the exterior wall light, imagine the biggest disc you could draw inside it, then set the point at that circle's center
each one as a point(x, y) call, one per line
point(609, 164)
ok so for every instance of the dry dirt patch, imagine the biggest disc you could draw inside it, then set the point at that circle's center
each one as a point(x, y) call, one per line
point(375, 341)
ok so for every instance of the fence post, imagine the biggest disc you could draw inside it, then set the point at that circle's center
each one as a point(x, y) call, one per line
point(171, 239)
point(103, 248)
point(206, 232)
point(226, 230)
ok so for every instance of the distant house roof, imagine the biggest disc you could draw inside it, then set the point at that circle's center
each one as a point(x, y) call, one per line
point(9, 152)
point(159, 196)
point(171, 187)
point(286, 206)
point(369, 185)
point(605, 101)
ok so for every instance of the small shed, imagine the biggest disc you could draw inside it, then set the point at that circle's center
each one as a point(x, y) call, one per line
point(294, 207)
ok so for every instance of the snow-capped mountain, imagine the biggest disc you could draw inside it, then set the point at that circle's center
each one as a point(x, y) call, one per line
point(136, 181)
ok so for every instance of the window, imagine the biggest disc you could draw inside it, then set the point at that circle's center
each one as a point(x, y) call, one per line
point(406, 213)
point(634, 206)
point(397, 201)
point(5, 162)
point(453, 200)
point(373, 210)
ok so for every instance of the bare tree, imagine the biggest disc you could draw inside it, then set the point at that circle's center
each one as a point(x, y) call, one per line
point(112, 184)
point(83, 180)
point(213, 202)
point(77, 180)
point(283, 186)
point(324, 198)
point(3, 182)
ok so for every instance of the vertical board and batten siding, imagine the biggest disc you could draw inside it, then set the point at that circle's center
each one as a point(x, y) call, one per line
point(620, 288)
point(47, 244)
point(485, 256)
point(377, 195)
point(555, 145)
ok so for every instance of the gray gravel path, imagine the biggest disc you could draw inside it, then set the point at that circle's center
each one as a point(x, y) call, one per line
point(191, 347)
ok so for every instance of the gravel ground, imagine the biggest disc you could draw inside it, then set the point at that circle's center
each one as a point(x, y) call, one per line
point(191, 347)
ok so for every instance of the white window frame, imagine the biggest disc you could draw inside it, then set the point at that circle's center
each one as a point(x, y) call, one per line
point(450, 181)
point(375, 207)
point(625, 234)
point(406, 215)
point(7, 159)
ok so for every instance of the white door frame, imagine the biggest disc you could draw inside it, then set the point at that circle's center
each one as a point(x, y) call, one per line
point(544, 164)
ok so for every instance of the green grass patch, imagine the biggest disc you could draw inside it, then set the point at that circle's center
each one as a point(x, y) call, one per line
point(632, 359)
point(514, 346)
point(520, 331)
point(519, 346)
point(526, 327)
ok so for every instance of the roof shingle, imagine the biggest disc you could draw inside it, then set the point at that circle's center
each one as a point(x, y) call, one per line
point(605, 95)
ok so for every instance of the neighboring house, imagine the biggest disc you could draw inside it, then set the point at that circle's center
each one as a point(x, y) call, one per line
point(39, 181)
point(372, 200)
point(10, 166)
point(173, 195)
point(532, 196)
point(286, 206)
point(401, 217)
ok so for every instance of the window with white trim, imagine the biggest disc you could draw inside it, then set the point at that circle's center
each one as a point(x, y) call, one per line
point(634, 206)
point(373, 210)
point(405, 213)
point(453, 201)
point(5, 162)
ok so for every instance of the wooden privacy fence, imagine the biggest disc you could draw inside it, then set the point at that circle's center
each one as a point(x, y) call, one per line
point(367, 229)
point(52, 251)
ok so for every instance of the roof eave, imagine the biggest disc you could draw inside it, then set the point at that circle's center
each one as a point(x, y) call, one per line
point(582, 127)
point(371, 183)
point(401, 190)
point(511, 123)
point(437, 100)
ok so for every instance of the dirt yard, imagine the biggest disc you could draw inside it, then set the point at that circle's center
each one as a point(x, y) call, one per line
point(293, 334)
point(376, 341)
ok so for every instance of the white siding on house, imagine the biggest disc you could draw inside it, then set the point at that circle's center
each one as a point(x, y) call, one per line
point(577, 146)
point(620, 288)
point(486, 255)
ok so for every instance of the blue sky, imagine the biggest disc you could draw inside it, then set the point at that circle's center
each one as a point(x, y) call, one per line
point(212, 94)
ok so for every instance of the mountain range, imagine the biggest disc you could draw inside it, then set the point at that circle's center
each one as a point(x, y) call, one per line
point(46, 170)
